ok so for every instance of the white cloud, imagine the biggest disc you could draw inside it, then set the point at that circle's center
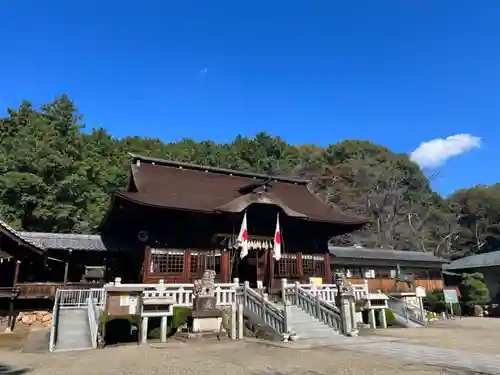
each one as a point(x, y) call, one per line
point(437, 151)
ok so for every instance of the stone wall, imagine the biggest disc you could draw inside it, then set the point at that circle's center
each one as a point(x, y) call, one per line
point(31, 318)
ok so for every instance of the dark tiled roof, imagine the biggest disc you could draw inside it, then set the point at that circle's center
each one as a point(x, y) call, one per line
point(57, 241)
point(491, 259)
point(66, 241)
point(6, 228)
point(383, 254)
point(169, 184)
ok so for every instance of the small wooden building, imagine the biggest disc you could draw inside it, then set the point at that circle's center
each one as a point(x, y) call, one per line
point(33, 265)
point(390, 271)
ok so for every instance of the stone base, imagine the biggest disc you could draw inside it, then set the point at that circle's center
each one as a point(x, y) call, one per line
point(207, 325)
point(200, 335)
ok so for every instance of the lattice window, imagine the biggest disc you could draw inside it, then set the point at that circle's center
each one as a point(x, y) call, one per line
point(167, 261)
point(201, 261)
point(307, 265)
point(313, 265)
point(287, 265)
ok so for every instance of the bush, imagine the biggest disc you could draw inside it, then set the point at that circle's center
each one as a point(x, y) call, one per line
point(178, 319)
point(180, 316)
point(434, 301)
point(117, 331)
point(390, 318)
point(474, 291)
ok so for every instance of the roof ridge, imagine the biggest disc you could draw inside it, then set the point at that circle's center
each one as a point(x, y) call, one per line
point(52, 234)
point(19, 235)
point(192, 166)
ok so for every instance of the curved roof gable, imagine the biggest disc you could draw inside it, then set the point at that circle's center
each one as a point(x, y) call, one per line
point(168, 184)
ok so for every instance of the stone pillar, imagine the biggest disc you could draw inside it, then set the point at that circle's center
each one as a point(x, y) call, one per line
point(163, 329)
point(283, 290)
point(371, 318)
point(233, 321)
point(366, 286)
point(240, 321)
point(353, 314)
point(345, 306)
point(144, 330)
point(382, 318)
point(287, 312)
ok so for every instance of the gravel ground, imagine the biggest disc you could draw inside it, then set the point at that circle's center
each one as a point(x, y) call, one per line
point(478, 335)
point(210, 358)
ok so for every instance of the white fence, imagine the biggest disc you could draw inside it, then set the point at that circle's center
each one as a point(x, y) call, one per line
point(68, 298)
point(182, 294)
point(328, 292)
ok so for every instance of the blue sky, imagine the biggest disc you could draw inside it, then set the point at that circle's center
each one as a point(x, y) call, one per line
point(398, 72)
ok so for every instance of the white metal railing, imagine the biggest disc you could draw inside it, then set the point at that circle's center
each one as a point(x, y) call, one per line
point(53, 326)
point(92, 313)
point(69, 298)
point(407, 311)
point(273, 316)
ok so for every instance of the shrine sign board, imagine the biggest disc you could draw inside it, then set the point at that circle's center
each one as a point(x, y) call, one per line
point(450, 295)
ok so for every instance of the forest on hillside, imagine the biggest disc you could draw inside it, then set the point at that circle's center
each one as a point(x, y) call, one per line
point(54, 177)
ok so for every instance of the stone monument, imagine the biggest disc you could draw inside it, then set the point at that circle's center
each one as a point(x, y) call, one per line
point(207, 318)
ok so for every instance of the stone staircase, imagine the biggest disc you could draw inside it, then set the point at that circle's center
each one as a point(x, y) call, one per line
point(308, 328)
point(73, 332)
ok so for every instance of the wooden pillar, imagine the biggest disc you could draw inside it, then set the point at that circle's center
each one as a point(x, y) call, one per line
point(225, 266)
point(270, 266)
point(187, 266)
point(328, 269)
point(147, 264)
point(12, 318)
point(300, 267)
point(66, 268)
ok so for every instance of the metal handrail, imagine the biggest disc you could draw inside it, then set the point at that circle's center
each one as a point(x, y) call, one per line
point(53, 327)
point(407, 310)
point(93, 323)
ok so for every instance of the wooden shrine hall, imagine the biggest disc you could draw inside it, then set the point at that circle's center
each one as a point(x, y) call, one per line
point(182, 218)
point(175, 220)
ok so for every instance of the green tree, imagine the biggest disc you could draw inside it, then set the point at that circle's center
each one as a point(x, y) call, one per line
point(474, 291)
point(54, 177)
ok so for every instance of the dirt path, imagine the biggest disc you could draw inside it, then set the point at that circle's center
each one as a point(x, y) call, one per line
point(479, 335)
point(219, 358)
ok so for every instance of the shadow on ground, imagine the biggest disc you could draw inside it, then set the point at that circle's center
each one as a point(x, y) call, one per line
point(7, 370)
